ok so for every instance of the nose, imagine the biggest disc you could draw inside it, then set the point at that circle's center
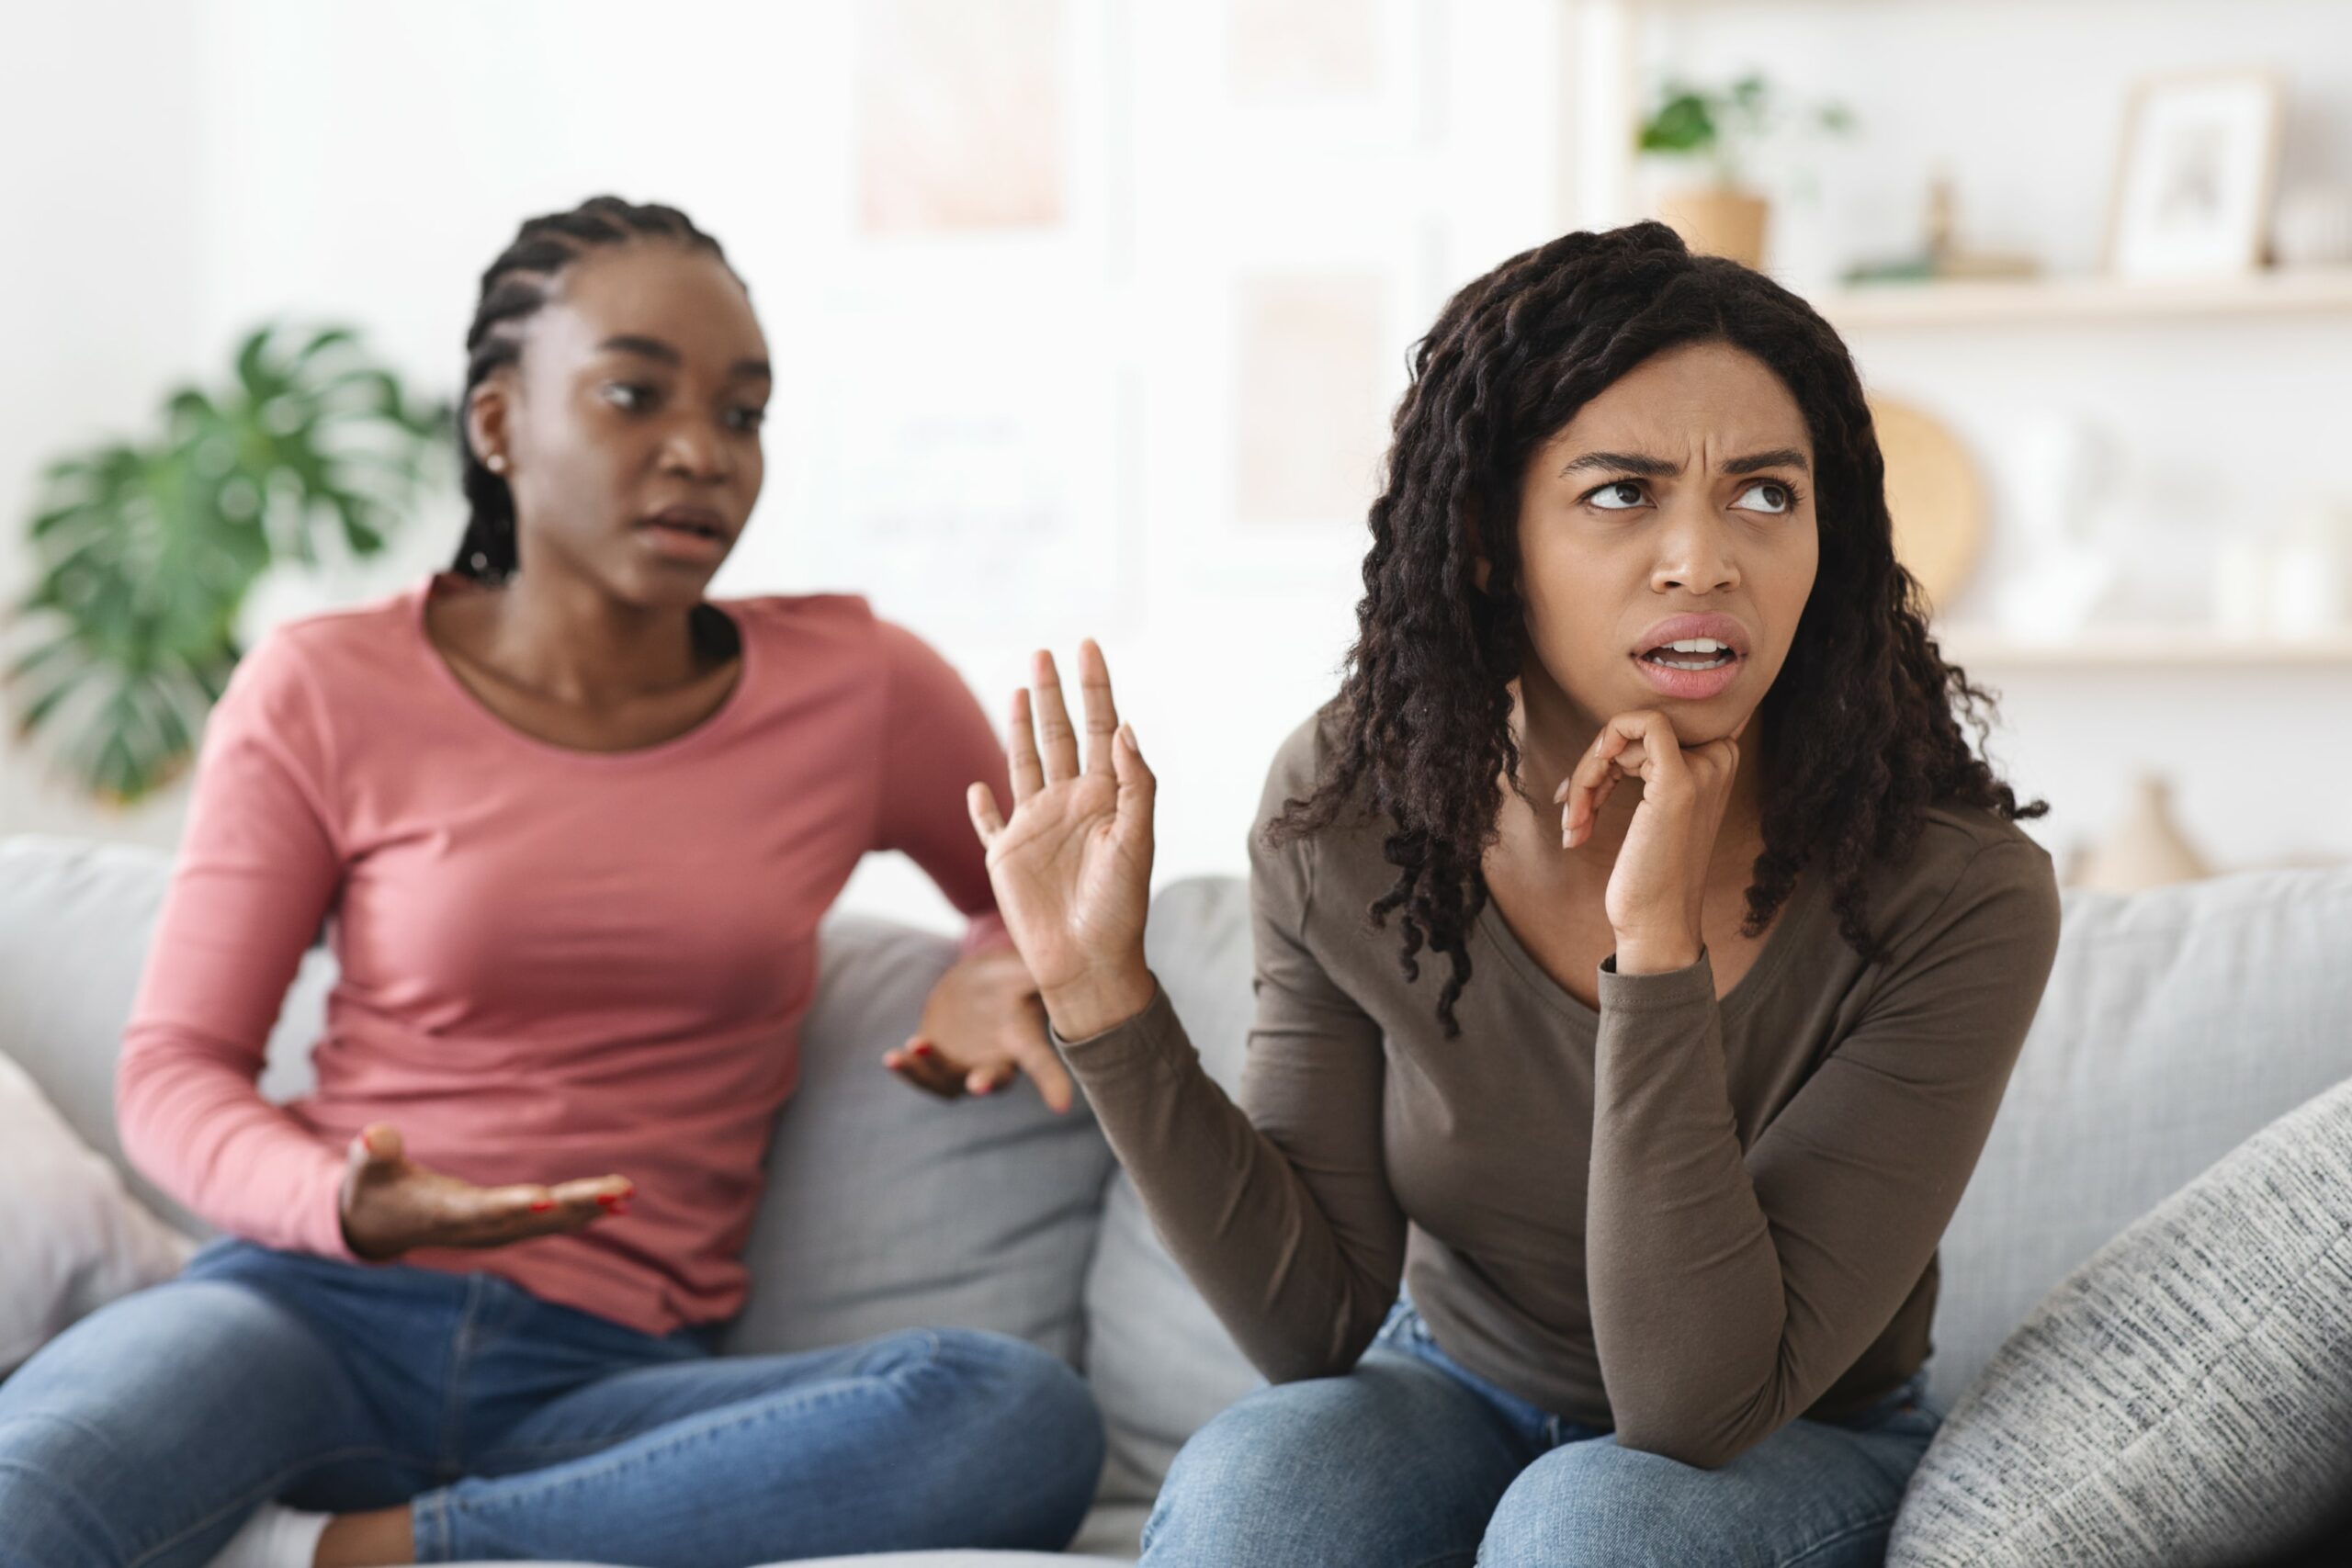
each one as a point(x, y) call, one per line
point(1694, 551)
point(691, 449)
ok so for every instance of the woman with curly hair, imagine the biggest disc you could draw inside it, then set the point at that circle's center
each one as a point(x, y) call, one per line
point(1663, 1186)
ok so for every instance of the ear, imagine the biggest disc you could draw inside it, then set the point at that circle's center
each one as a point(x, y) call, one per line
point(1481, 570)
point(486, 422)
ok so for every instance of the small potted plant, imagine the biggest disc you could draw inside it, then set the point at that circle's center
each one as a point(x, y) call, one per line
point(144, 549)
point(1720, 213)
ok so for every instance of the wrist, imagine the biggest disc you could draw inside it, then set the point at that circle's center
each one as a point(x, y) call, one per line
point(1656, 955)
point(1099, 1000)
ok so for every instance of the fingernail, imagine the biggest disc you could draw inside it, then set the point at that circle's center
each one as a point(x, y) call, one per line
point(922, 1048)
point(541, 1205)
point(608, 1199)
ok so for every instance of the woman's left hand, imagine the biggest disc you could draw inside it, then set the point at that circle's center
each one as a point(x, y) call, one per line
point(1658, 887)
point(982, 1023)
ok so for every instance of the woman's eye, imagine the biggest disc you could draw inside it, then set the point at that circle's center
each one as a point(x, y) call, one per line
point(633, 395)
point(1628, 495)
point(750, 419)
point(1776, 497)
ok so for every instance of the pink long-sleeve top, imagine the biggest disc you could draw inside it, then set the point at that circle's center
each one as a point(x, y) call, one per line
point(553, 963)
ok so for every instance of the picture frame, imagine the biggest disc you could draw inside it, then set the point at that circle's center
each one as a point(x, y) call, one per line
point(2197, 175)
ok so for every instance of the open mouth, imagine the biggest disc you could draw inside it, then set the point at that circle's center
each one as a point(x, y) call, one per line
point(1689, 657)
point(688, 524)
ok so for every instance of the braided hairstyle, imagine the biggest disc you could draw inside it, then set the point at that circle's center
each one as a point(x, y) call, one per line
point(513, 288)
point(1859, 736)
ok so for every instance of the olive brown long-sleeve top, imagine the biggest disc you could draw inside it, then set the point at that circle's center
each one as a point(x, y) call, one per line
point(1687, 1218)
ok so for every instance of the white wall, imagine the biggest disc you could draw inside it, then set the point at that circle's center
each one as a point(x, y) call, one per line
point(229, 161)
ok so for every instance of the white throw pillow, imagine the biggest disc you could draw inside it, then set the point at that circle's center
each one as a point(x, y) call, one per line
point(72, 1239)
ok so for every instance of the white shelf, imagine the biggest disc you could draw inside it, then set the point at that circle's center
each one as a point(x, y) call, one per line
point(2142, 648)
point(2287, 291)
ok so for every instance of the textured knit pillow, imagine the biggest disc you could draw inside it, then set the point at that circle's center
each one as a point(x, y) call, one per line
point(2184, 1398)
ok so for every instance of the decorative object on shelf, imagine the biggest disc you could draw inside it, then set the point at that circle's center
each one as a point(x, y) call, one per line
point(2200, 163)
point(2295, 581)
point(1933, 494)
point(144, 551)
point(2066, 468)
point(1722, 215)
point(2144, 849)
point(1940, 255)
point(2312, 227)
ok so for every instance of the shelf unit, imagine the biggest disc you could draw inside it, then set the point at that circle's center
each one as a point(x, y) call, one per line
point(2087, 299)
point(2143, 649)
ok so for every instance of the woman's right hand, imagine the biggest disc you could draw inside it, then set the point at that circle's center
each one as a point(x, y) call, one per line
point(390, 1204)
point(1072, 868)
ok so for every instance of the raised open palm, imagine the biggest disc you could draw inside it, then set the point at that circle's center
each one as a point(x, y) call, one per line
point(1072, 867)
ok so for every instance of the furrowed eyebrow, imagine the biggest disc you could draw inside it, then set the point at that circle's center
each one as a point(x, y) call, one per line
point(1658, 468)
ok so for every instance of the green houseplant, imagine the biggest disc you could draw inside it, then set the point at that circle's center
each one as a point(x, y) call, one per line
point(1715, 128)
point(144, 551)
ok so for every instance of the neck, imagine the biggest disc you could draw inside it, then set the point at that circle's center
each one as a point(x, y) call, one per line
point(570, 640)
point(1554, 733)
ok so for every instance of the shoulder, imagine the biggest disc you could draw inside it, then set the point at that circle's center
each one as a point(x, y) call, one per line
point(845, 618)
point(1344, 861)
point(1301, 759)
point(296, 667)
point(1969, 866)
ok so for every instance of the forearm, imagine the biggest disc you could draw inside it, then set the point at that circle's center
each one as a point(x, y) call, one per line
point(198, 1127)
point(1684, 1281)
point(1301, 1295)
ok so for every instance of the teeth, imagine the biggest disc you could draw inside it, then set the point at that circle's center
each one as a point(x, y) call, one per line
point(1695, 645)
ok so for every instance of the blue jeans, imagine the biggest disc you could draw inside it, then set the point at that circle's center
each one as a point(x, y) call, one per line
point(1410, 1460)
point(144, 1435)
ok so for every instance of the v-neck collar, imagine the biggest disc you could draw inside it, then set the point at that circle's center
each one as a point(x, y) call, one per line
point(1795, 915)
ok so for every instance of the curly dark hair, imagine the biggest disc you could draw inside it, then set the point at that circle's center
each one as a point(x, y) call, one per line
point(1859, 736)
point(512, 288)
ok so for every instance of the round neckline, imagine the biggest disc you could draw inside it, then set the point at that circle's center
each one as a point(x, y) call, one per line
point(1770, 960)
point(719, 718)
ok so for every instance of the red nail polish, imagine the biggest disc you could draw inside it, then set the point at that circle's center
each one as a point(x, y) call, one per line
point(608, 1199)
point(541, 1205)
point(923, 1048)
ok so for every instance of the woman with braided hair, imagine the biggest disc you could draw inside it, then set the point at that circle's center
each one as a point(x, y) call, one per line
point(575, 824)
point(1642, 734)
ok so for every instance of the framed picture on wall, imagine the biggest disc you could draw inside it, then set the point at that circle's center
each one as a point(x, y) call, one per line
point(2193, 188)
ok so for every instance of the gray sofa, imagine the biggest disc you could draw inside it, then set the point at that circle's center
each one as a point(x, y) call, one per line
point(2176, 1024)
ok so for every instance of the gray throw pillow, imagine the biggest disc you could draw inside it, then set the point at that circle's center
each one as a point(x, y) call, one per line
point(887, 1208)
point(2184, 1398)
point(1159, 1361)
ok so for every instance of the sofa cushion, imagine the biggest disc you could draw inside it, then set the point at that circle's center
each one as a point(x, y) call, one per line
point(2184, 1397)
point(2177, 1023)
point(1161, 1362)
point(886, 1208)
point(75, 919)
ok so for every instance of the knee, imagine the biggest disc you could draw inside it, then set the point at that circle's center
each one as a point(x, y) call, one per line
point(1592, 1502)
point(1231, 1488)
point(51, 1517)
point(1008, 1397)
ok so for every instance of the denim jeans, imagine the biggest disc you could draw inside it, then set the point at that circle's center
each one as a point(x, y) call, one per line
point(144, 1435)
point(1410, 1460)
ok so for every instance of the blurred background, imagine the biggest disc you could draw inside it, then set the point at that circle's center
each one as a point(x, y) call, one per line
point(1089, 315)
